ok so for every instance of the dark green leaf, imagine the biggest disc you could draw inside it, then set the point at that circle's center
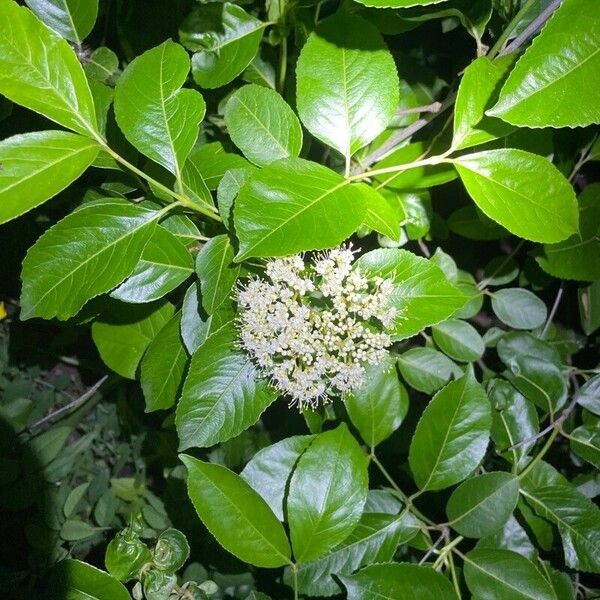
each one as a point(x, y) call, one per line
point(589, 307)
point(556, 82)
point(278, 209)
point(519, 308)
point(225, 39)
point(391, 581)
point(511, 537)
point(451, 436)
point(122, 335)
point(73, 19)
point(158, 117)
point(459, 340)
point(522, 191)
point(324, 506)
point(207, 164)
point(222, 395)
point(262, 125)
point(588, 395)
point(216, 271)
point(81, 581)
point(426, 369)
point(346, 93)
point(423, 295)
point(74, 260)
point(585, 442)
point(36, 166)
point(236, 515)
point(270, 469)
point(505, 575)
point(482, 505)
point(163, 366)
point(378, 408)
point(39, 70)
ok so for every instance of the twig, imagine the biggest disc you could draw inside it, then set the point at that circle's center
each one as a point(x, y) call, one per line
point(553, 310)
point(76, 403)
point(432, 548)
point(434, 107)
point(531, 29)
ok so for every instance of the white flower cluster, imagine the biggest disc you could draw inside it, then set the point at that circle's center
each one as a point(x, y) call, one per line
point(312, 327)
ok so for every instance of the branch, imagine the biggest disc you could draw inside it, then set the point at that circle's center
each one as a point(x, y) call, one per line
point(552, 314)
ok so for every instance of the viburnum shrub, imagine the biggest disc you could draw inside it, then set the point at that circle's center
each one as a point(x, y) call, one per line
point(351, 253)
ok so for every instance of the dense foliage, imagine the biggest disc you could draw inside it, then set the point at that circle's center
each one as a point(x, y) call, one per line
point(314, 308)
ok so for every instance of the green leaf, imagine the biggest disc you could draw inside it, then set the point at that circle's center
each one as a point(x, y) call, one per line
point(81, 581)
point(225, 39)
point(589, 307)
point(422, 294)
point(262, 125)
point(346, 92)
point(585, 442)
point(519, 308)
point(39, 70)
point(556, 82)
point(324, 506)
point(482, 505)
point(505, 575)
point(391, 581)
point(122, 335)
point(588, 395)
point(74, 497)
point(383, 214)
point(426, 369)
point(459, 340)
point(74, 260)
point(577, 518)
point(74, 530)
point(476, 93)
point(73, 19)
point(158, 117)
point(210, 162)
point(379, 406)
point(38, 165)
point(576, 257)
point(452, 435)
point(229, 187)
point(522, 191)
point(472, 224)
point(374, 540)
point(236, 515)
point(163, 366)
point(513, 537)
point(171, 551)
point(216, 271)
point(277, 209)
point(164, 265)
point(222, 395)
point(270, 469)
point(102, 65)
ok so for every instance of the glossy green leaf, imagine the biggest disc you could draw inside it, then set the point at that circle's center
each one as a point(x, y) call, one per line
point(426, 369)
point(585, 442)
point(222, 395)
point(589, 307)
point(38, 165)
point(519, 308)
point(281, 209)
point(577, 518)
point(391, 581)
point(482, 505)
point(324, 506)
point(269, 470)
point(588, 395)
point(505, 575)
point(379, 406)
point(39, 70)
point(164, 265)
point(158, 117)
point(262, 125)
point(423, 295)
point(511, 536)
point(210, 162)
point(216, 271)
point(374, 540)
point(515, 345)
point(383, 214)
point(346, 92)
point(80, 581)
point(171, 551)
point(163, 367)
point(451, 436)
point(102, 65)
point(577, 257)
point(477, 92)
point(73, 19)
point(398, 3)
point(225, 39)
point(459, 340)
point(236, 515)
point(522, 191)
point(472, 224)
point(229, 187)
point(556, 82)
point(123, 334)
point(73, 260)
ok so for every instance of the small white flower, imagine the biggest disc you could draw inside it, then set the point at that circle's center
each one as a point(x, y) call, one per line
point(312, 328)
